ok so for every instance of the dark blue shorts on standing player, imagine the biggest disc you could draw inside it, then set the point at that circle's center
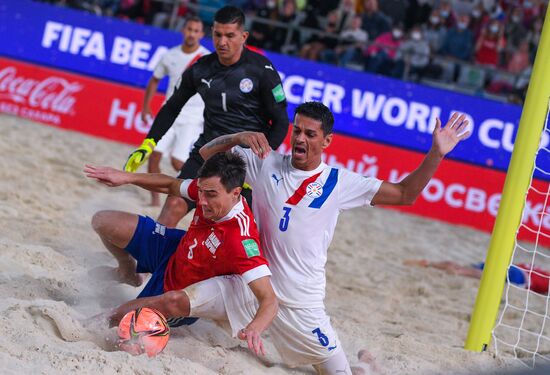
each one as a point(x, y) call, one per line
point(152, 246)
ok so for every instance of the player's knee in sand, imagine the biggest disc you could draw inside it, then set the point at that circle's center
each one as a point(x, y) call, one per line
point(338, 364)
point(115, 227)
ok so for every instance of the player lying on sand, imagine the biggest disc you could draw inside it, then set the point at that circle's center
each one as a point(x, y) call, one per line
point(221, 240)
point(523, 275)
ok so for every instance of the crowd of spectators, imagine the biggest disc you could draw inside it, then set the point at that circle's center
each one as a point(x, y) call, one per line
point(478, 46)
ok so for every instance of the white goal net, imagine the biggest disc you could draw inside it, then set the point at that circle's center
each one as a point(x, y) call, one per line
point(523, 326)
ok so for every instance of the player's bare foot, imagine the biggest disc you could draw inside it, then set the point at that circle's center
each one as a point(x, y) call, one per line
point(367, 364)
point(129, 277)
point(119, 274)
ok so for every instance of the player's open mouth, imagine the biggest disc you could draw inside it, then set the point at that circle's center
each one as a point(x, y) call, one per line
point(299, 150)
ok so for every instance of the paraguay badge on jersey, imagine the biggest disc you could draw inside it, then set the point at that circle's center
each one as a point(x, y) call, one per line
point(314, 190)
point(246, 85)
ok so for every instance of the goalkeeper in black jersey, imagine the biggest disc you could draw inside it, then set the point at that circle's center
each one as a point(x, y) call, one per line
point(241, 91)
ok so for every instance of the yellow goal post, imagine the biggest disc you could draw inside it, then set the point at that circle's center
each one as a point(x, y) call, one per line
point(515, 189)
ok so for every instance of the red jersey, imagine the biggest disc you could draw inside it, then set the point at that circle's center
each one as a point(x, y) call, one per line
point(228, 246)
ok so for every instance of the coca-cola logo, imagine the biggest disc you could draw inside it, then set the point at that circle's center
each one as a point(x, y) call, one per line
point(53, 93)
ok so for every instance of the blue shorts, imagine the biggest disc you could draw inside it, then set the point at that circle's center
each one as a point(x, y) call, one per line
point(515, 274)
point(152, 246)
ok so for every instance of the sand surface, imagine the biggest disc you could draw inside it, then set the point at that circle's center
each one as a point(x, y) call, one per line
point(52, 276)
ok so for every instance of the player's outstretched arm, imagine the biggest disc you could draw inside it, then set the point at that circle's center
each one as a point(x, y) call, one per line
point(267, 311)
point(444, 141)
point(256, 141)
point(170, 304)
point(149, 181)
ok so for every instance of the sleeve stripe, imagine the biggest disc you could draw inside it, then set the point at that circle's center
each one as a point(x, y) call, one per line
point(240, 224)
point(244, 223)
point(184, 188)
point(256, 273)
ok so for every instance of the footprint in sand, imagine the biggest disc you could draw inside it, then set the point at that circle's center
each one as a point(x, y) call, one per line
point(62, 324)
point(69, 329)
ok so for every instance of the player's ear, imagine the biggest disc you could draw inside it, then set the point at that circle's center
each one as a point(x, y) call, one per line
point(236, 191)
point(245, 35)
point(327, 141)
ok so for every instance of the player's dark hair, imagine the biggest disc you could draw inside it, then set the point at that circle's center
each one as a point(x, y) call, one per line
point(229, 167)
point(229, 14)
point(193, 19)
point(317, 111)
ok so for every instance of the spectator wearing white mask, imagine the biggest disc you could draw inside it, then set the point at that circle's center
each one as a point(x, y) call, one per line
point(381, 55)
point(490, 44)
point(515, 31)
point(413, 56)
point(448, 16)
point(435, 31)
point(479, 18)
point(459, 41)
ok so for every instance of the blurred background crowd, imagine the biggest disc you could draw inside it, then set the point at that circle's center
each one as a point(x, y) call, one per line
point(479, 47)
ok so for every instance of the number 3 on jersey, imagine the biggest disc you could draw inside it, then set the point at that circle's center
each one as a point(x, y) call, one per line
point(283, 224)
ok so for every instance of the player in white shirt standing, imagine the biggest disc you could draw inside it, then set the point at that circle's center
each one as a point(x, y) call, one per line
point(179, 140)
point(297, 200)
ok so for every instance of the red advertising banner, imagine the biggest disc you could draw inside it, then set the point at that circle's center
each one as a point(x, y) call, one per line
point(72, 101)
point(459, 193)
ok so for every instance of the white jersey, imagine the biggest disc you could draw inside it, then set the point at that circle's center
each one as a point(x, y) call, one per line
point(172, 64)
point(296, 212)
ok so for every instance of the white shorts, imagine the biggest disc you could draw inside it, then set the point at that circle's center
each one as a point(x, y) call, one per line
point(301, 336)
point(180, 138)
